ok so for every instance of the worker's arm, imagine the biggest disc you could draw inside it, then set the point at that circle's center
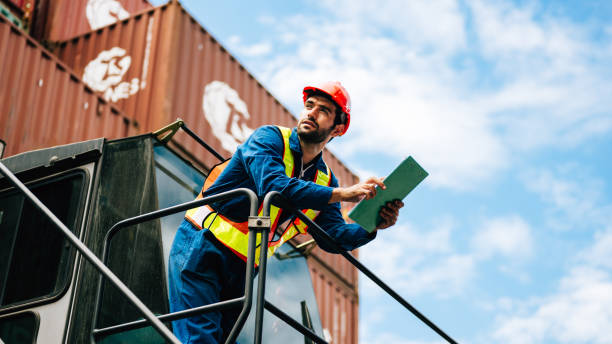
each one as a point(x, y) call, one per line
point(348, 235)
point(262, 155)
point(357, 192)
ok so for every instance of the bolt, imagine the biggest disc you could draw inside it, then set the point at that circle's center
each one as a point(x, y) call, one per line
point(259, 222)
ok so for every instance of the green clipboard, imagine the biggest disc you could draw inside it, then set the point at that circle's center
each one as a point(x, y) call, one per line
point(399, 184)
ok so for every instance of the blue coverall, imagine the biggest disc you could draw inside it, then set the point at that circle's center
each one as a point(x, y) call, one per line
point(202, 270)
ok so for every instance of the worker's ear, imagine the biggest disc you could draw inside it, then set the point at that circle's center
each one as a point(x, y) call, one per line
point(338, 130)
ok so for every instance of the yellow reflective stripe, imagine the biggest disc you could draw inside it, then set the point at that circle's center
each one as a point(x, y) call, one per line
point(301, 226)
point(231, 236)
point(321, 178)
point(290, 233)
point(287, 155)
point(236, 239)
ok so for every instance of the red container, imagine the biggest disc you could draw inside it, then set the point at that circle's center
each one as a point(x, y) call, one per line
point(64, 19)
point(43, 104)
point(161, 64)
point(338, 303)
point(24, 6)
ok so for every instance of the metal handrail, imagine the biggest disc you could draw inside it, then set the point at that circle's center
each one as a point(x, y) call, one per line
point(282, 202)
point(91, 257)
point(255, 226)
point(246, 300)
point(166, 133)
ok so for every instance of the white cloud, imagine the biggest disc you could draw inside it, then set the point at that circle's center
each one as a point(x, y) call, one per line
point(506, 236)
point(600, 254)
point(249, 50)
point(573, 195)
point(581, 312)
point(415, 262)
point(437, 24)
point(389, 338)
point(463, 110)
point(418, 261)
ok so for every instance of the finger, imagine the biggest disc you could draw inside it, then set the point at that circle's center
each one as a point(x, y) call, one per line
point(376, 181)
point(392, 207)
point(389, 215)
point(396, 205)
point(370, 190)
point(384, 213)
point(390, 210)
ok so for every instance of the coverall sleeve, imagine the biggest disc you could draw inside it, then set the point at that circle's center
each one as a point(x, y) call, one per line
point(262, 155)
point(348, 236)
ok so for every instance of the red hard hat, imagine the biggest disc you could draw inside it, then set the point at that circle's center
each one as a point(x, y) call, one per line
point(338, 94)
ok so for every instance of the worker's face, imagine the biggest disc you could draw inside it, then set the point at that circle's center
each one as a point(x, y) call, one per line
point(316, 123)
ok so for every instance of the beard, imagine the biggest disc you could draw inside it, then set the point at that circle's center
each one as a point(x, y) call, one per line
point(316, 136)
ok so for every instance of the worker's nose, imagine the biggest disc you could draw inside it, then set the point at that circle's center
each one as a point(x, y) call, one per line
point(312, 112)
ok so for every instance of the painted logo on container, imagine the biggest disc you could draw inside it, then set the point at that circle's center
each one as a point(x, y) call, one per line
point(227, 114)
point(104, 12)
point(105, 74)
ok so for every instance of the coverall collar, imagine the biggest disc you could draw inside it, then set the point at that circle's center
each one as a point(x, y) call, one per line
point(294, 145)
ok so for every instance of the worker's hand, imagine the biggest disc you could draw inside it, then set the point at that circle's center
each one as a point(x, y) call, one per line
point(357, 192)
point(389, 214)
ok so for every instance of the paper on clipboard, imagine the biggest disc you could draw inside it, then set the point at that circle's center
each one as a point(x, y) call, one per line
point(399, 183)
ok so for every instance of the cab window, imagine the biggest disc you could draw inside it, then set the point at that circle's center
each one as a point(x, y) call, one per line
point(34, 255)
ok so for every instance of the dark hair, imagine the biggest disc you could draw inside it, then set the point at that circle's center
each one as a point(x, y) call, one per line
point(340, 115)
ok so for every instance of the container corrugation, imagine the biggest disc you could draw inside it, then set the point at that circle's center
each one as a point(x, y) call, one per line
point(172, 61)
point(22, 5)
point(177, 69)
point(43, 104)
point(65, 19)
point(335, 263)
point(338, 305)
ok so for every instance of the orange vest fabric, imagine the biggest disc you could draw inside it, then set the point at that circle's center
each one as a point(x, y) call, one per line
point(234, 235)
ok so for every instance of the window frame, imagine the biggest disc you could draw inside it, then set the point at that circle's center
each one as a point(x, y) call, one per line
point(26, 313)
point(79, 218)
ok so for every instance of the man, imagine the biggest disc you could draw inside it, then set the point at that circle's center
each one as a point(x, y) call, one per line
point(207, 260)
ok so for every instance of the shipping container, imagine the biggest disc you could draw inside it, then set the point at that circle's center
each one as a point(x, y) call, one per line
point(48, 294)
point(63, 19)
point(21, 7)
point(162, 64)
point(17, 12)
point(43, 103)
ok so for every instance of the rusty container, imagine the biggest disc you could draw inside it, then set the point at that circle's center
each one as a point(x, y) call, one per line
point(42, 103)
point(161, 64)
point(57, 20)
point(19, 12)
point(20, 6)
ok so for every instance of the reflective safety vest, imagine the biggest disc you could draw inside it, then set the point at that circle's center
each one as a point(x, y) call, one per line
point(234, 235)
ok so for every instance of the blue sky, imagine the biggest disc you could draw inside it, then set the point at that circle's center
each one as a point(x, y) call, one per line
point(507, 105)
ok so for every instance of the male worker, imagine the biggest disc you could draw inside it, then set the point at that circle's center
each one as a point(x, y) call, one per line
point(207, 260)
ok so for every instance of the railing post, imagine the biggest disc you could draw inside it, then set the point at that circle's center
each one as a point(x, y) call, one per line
point(314, 228)
point(91, 257)
point(264, 222)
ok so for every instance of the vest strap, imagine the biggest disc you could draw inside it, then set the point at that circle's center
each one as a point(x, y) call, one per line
point(234, 235)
